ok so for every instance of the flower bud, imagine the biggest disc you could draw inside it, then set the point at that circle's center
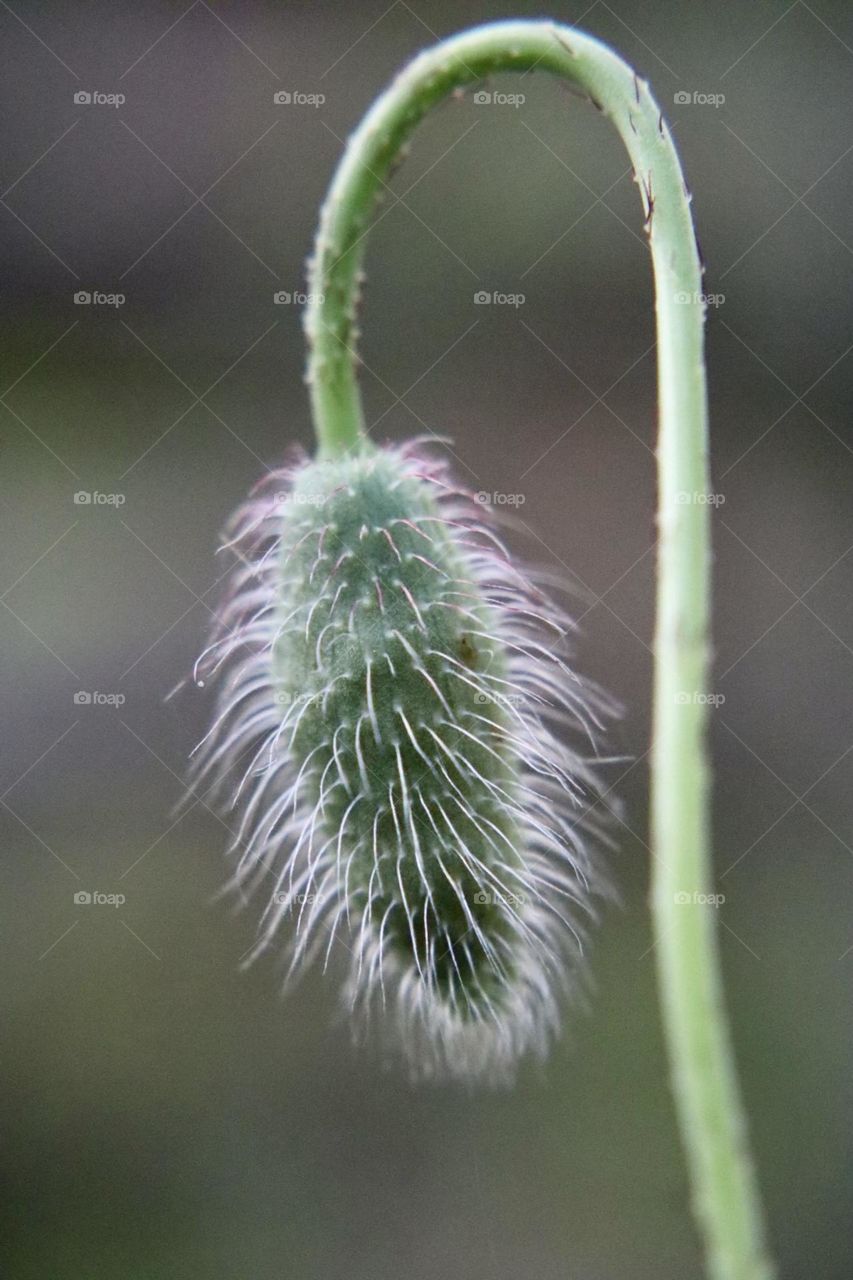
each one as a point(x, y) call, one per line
point(388, 695)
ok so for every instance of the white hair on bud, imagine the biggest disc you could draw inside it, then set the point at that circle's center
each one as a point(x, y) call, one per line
point(391, 727)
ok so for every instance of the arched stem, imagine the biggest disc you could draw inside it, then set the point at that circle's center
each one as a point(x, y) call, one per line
point(709, 1108)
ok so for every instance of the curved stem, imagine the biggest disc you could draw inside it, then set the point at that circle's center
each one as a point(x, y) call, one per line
point(705, 1085)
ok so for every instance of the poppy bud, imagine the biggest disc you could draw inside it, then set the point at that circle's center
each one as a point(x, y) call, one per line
point(388, 700)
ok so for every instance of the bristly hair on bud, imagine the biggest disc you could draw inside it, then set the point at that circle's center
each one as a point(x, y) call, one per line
point(391, 726)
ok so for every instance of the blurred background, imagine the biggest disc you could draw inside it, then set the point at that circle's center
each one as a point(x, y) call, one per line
point(166, 1114)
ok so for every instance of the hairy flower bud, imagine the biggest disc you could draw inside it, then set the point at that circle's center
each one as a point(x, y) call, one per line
point(388, 694)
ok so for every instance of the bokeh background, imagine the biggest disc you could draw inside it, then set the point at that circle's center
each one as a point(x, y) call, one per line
point(164, 1113)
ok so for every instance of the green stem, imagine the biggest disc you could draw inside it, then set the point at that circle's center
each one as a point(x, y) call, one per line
point(705, 1084)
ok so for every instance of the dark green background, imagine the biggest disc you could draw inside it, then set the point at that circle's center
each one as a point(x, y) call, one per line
point(165, 1114)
